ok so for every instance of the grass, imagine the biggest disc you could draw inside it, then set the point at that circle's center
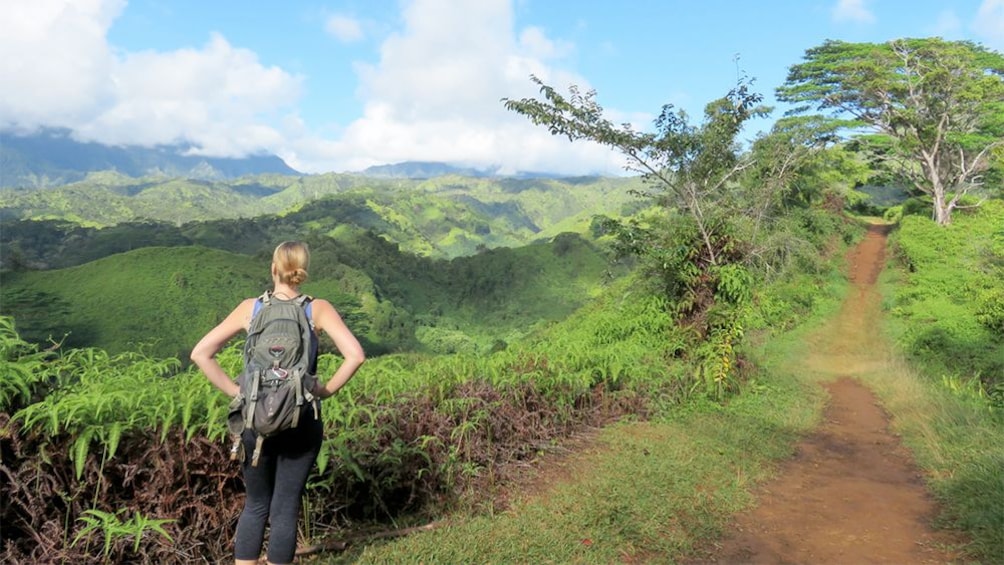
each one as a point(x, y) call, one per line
point(642, 491)
point(959, 444)
point(662, 490)
point(946, 415)
point(165, 298)
point(687, 476)
point(956, 437)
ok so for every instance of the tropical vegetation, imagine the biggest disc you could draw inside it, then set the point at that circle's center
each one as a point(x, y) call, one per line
point(936, 108)
point(501, 318)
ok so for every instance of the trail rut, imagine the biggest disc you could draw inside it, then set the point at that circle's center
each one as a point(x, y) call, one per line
point(852, 494)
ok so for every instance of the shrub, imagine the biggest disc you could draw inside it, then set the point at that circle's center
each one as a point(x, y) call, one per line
point(952, 304)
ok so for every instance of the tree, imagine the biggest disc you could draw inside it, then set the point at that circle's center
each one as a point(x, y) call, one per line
point(698, 245)
point(718, 216)
point(937, 107)
point(690, 167)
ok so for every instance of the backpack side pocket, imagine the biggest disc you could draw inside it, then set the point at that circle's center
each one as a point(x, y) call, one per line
point(235, 415)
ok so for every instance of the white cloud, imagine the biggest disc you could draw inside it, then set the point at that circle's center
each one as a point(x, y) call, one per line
point(853, 11)
point(54, 61)
point(60, 71)
point(344, 28)
point(436, 95)
point(216, 97)
point(538, 45)
point(989, 23)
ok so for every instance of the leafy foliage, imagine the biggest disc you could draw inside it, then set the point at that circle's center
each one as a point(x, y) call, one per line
point(403, 433)
point(28, 371)
point(100, 434)
point(950, 305)
point(443, 217)
point(115, 529)
point(713, 205)
point(937, 106)
point(164, 298)
point(131, 449)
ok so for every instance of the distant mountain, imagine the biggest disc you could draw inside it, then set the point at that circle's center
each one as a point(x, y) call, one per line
point(52, 158)
point(433, 169)
point(421, 170)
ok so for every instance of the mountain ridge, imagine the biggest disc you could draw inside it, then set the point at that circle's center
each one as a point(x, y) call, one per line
point(52, 157)
point(443, 217)
point(420, 170)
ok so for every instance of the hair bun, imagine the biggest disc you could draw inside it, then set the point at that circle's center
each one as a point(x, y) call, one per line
point(298, 276)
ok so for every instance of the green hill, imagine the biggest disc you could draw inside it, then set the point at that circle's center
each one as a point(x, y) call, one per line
point(443, 217)
point(165, 298)
point(445, 264)
point(161, 295)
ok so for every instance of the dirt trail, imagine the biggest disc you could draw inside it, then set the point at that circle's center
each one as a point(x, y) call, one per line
point(852, 493)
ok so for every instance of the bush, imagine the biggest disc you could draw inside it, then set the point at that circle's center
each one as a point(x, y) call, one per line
point(952, 305)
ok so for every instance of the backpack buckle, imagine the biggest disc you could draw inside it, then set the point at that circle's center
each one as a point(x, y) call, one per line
point(278, 373)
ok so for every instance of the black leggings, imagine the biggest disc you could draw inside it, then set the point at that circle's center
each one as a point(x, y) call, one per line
point(274, 490)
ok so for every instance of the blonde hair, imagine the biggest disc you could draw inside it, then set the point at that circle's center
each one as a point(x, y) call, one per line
point(291, 260)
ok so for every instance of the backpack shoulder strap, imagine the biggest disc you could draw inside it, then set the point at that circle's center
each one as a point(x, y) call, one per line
point(308, 337)
point(261, 301)
point(303, 300)
point(306, 301)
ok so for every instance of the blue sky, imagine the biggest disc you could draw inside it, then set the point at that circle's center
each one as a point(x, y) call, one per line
point(339, 85)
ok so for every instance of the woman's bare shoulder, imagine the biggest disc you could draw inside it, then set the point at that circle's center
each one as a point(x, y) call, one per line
point(322, 305)
point(323, 311)
point(245, 309)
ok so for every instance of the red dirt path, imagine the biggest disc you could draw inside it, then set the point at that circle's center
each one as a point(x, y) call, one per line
point(852, 494)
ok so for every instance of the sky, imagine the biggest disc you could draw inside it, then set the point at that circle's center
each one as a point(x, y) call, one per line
point(341, 85)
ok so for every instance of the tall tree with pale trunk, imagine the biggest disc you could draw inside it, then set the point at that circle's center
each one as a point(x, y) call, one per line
point(934, 108)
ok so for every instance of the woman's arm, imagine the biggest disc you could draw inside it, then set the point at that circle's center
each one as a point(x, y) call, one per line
point(326, 318)
point(204, 352)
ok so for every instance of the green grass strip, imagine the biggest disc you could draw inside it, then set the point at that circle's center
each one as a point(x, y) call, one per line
point(652, 491)
point(644, 491)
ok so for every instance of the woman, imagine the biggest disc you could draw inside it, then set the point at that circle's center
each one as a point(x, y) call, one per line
point(275, 486)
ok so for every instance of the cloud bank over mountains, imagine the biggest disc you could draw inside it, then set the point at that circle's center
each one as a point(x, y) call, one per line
point(432, 91)
point(434, 94)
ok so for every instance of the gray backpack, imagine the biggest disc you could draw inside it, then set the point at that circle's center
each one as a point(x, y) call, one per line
point(279, 363)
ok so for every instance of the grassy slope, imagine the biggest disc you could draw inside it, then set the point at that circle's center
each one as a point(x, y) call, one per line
point(174, 294)
point(642, 491)
point(949, 306)
point(155, 293)
point(689, 471)
point(443, 217)
point(944, 294)
point(472, 301)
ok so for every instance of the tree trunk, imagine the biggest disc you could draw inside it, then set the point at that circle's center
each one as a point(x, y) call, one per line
point(942, 210)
